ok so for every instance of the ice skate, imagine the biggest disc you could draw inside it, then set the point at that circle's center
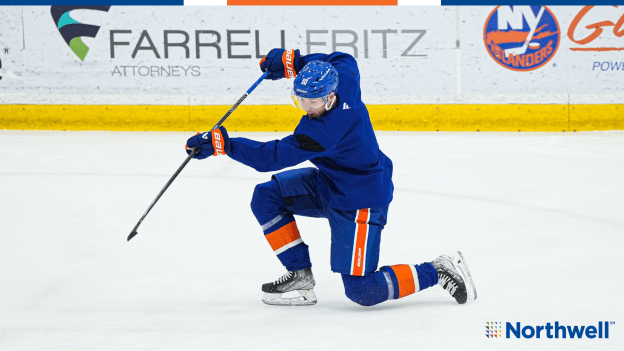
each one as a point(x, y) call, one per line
point(301, 282)
point(454, 277)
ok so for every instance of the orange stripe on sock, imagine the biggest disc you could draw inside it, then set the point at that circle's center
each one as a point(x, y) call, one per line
point(360, 242)
point(283, 236)
point(405, 278)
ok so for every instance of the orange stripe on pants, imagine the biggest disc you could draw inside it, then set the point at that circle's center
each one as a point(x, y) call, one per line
point(405, 278)
point(359, 253)
point(283, 236)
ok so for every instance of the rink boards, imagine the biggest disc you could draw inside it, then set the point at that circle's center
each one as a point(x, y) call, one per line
point(527, 118)
point(422, 68)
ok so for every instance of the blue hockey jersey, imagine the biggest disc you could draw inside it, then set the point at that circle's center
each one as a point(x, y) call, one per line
point(353, 172)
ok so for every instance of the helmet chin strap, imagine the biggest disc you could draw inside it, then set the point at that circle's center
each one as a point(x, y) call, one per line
point(330, 104)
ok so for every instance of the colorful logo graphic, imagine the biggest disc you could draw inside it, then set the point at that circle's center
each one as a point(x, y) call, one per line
point(72, 30)
point(521, 38)
point(493, 330)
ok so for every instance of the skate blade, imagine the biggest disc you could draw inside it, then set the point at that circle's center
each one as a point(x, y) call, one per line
point(305, 298)
point(462, 266)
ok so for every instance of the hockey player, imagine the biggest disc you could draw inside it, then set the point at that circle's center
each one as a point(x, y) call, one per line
point(351, 186)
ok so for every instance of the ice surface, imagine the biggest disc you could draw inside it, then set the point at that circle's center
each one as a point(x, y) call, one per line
point(539, 216)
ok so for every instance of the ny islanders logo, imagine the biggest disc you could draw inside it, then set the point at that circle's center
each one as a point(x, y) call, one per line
point(73, 31)
point(521, 38)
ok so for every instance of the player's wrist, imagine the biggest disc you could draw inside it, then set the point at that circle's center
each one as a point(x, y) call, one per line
point(299, 62)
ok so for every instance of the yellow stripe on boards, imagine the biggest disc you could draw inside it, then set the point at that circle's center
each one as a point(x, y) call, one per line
point(513, 118)
point(146, 118)
point(251, 118)
point(461, 118)
point(597, 117)
point(94, 117)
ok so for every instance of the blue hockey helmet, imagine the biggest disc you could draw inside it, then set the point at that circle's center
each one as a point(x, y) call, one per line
point(317, 79)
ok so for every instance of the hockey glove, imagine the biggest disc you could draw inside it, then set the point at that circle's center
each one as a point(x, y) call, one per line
point(213, 143)
point(280, 63)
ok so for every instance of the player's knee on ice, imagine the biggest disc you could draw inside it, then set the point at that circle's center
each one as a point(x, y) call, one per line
point(369, 290)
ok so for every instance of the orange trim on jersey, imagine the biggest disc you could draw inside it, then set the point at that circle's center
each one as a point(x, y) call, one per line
point(405, 278)
point(218, 143)
point(288, 59)
point(283, 236)
point(359, 254)
point(316, 3)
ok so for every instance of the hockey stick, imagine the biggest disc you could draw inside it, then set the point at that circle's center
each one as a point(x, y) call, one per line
point(195, 150)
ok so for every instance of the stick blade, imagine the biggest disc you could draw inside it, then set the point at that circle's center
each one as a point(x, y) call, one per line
point(132, 235)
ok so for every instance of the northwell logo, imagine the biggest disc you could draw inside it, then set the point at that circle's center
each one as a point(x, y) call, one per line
point(72, 30)
point(493, 329)
point(549, 331)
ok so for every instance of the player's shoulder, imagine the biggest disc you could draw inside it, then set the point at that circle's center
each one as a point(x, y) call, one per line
point(331, 126)
point(344, 63)
point(338, 56)
point(345, 110)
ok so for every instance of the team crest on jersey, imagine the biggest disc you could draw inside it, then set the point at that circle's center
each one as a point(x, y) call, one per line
point(521, 38)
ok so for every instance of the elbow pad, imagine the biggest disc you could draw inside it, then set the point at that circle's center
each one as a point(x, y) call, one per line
point(308, 143)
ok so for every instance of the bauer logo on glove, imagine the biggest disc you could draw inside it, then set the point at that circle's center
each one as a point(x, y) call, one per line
point(281, 64)
point(217, 143)
point(213, 143)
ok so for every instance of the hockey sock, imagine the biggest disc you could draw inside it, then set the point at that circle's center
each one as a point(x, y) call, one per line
point(408, 279)
point(367, 290)
point(389, 283)
point(287, 244)
point(279, 227)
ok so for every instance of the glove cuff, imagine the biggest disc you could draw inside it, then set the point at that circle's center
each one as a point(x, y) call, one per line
point(218, 142)
point(288, 59)
point(299, 61)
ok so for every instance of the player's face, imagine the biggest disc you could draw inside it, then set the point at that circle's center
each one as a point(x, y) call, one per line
point(315, 107)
